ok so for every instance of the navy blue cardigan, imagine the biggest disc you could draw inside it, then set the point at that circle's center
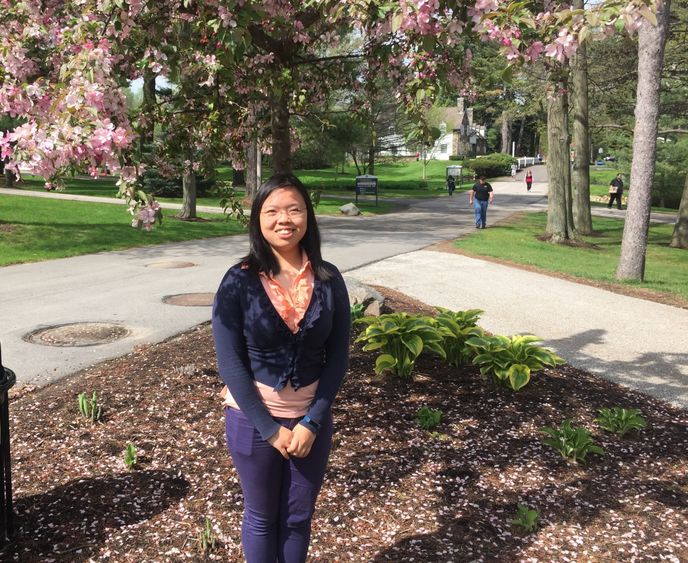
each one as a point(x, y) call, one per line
point(253, 342)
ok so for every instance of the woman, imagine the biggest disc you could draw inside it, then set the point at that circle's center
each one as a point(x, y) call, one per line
point(529, 180)
point(281, 322)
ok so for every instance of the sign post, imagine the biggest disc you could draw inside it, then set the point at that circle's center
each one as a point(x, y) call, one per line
point(366, 185)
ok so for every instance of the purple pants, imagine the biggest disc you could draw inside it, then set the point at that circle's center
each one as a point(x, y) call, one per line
point(279, 494)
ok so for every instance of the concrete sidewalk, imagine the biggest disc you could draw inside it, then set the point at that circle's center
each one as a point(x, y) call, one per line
point(638, 343)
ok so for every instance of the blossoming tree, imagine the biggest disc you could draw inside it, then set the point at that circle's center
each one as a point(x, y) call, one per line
point(64, 64)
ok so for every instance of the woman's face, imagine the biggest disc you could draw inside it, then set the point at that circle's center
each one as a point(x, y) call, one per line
point(283, 219)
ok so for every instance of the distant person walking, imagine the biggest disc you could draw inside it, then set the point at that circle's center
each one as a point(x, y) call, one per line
point(529, 180)
point(451, 185)
point(480, 197)
point(514, 169)
point(615, 191)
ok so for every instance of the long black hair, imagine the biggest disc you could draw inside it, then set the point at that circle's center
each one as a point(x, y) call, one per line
point(260, 257)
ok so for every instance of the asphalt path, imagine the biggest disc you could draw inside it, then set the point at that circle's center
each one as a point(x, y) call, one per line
point(635, 342)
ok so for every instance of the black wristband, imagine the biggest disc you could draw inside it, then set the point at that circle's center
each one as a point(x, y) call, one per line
point(309, 423)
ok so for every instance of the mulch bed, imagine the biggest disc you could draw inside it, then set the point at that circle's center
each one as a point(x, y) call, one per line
point(394, 492)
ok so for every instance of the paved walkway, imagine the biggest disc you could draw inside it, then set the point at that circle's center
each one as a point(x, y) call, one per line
point(635, 342)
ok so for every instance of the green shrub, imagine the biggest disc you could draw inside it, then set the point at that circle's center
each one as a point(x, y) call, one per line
point(401, 338)
point(158, 185)
point(460, 325)
point(620, 421)
point(526, 518)
point(491, 165)
point(571, 442)
point(511, 361)
point(428, 418)
point(315, 196)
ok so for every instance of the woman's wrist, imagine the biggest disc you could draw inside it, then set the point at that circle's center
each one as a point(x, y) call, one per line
point(311, 424)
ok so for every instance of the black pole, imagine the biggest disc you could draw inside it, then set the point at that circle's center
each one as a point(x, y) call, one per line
point(7, 379)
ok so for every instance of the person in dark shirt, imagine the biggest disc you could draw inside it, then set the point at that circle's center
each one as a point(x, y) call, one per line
point(615, 191)
point(480, 197)
point(451, 185)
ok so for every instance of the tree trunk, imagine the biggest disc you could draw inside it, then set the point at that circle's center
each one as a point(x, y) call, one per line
point(353, 157)
point(580, 173)
point(251, 170)
point(680, 237)
point(371, 153)
point(188, 210)
point(651, 41)
point(506, 133)
point(147, 132)
point(559, 209)
point(519, 139)
point(281, 141)
point(10, 179)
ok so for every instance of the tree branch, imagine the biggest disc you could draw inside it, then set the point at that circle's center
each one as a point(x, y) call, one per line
point(676, 131)
point(612, 126)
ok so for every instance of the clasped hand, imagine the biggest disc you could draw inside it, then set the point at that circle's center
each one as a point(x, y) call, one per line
point(296, 442)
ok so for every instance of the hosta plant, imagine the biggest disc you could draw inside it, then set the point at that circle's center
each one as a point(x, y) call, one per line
point(400, 338)
point(510, 361)
point(357, 310)
point(526, 518)
point(571, 442)
point(428, 418)
point(619, 420)
point(460, 326)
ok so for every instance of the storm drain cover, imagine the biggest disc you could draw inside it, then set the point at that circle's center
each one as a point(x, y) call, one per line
point(77, 334)
point(190, 299)
point(171, 264)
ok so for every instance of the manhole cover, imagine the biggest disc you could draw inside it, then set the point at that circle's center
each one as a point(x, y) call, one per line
point(77, 334)
point(190, 299)
point(171, 264)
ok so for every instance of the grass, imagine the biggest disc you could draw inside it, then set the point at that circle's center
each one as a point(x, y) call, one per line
point(396, 180)
point(34, 229)
point(516, 241)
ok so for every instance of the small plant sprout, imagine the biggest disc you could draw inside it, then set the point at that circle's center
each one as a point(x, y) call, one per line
point(89, 408)
point(571, 442)
point(428, 418)
point(130, 456)
point(357, 311)
point(620, 421)
point(526, 518)
point(206, 537)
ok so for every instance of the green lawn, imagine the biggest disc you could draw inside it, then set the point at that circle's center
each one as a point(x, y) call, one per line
point(34, 229)
point(396, 180)
point(516, 241)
